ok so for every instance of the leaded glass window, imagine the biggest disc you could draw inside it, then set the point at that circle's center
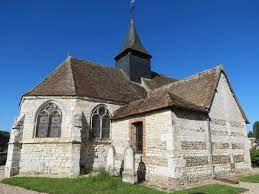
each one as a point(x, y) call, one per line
point(100, 123)
point(49, 121)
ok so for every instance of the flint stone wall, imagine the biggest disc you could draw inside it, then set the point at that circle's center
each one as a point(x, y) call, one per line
point(190, 160)
point(157, 129)
point(180, 149)
point(229, 135)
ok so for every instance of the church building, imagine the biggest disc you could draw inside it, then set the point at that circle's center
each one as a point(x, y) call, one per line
point(180, 130)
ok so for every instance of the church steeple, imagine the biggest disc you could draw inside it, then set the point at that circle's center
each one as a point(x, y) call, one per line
point(133, 58)
point(133, 42)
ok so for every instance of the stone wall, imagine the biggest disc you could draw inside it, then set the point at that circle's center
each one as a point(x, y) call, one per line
point(190, 161)
point(185, 147)
point(50, 156)
point(93, 152)
point(192, 158)
point(228, 133)
point(12, 164)
point(177, 146)
point(68, 154)
point(157, 127)
point(46, 159)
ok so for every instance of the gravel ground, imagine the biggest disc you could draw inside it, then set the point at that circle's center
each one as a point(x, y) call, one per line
point(7, 189)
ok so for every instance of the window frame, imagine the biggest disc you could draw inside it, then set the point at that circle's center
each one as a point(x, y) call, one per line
point(101, 117)
point(139, 137)
point(41, 110)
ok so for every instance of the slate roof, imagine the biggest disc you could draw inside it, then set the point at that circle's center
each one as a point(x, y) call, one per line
point(133, 42)
point(193, 93)
point(77, 77)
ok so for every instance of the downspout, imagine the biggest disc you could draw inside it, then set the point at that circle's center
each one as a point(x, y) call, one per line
point(210, 147)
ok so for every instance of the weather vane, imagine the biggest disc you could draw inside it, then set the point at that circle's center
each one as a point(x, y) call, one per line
point(132, 8)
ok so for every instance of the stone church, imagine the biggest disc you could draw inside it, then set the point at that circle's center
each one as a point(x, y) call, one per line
point(180, 131)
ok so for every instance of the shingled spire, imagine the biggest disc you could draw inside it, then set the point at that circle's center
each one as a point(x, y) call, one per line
point(133, 58)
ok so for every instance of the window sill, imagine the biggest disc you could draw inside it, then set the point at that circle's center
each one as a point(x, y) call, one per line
point(101, 141)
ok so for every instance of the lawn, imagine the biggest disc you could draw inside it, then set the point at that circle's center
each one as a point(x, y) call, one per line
point(251, 179)
point(103, 183)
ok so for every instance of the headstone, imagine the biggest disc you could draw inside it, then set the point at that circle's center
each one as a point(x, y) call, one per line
point(128, 174)
point(110, 160)
point(141, 172)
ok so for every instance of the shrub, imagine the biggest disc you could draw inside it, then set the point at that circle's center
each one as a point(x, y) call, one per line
point(254, 157)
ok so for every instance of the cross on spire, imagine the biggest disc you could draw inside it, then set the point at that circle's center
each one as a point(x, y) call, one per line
point(132, 8)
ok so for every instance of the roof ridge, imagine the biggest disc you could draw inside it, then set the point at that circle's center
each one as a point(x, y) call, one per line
point(164, 75)
point(94, 63)
point(109, 67)
point(72, 76)
point(191, 77)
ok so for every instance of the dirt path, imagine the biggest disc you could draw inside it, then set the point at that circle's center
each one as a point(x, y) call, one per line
point(253, 187)
point(7, 189)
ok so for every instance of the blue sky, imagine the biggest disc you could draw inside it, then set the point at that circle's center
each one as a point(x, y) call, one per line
point(184, 37)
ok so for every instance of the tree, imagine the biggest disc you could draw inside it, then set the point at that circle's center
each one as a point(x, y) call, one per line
point(250, 134)
point(256, 130)
point(4, 138)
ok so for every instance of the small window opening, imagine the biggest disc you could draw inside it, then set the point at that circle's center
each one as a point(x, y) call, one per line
point(139, 137)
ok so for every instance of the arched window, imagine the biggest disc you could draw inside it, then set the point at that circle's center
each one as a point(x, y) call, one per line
point(49, 121)
point(101, 123)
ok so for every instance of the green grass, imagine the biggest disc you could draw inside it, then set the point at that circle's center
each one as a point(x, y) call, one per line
point(251, 179)
point(103, 183)
point(212, 189)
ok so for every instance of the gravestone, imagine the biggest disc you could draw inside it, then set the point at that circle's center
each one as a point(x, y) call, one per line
point(128, 174)
point(110, 160)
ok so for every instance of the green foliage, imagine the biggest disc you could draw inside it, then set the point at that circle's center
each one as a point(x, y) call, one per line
point(254, 154)
point(104, 183)
point(256, 130)
point(250, 134)
point(4, 138)
point(251, 179)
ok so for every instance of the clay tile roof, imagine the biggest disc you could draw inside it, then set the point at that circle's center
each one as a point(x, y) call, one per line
point(158, 80)
point(83, 78)
point(194, 93)
point(197, 89)
point(155, 102)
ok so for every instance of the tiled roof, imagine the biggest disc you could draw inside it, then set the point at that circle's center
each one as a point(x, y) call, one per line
point(197, 89)
point(157, 81)
point(193, 93)
point(83, 78)
point(155, 102)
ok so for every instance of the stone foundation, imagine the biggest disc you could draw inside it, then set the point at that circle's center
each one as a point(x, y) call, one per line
point(50, 159)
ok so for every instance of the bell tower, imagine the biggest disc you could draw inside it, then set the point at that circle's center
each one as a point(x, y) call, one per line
point(133, 58)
